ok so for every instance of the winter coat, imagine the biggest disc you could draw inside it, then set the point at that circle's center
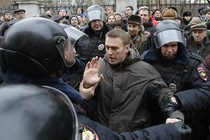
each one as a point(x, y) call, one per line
point(123, 99)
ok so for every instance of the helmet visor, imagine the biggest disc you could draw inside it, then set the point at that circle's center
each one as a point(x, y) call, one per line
point(77, 36)
point(95, 15)
point(66, 50)
point(75, 125)
point(168, 36)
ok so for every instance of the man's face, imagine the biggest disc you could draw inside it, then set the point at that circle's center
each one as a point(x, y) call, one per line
point(128, 11)
point(118, 18)
point(169, 50)
point(62, 13)
point(111, 19)
point(116, 50)
point(20, 15)
point(207, 15)
point(133, 29)
point(8, 16)
point(96, 25)
point(74, 21)
point(144, 14)
point(199, 35)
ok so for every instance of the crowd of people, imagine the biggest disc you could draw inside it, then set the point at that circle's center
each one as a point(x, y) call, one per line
point(100, 74)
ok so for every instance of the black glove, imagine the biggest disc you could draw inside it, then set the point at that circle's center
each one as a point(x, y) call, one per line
point(168, 107)
point(184, 130)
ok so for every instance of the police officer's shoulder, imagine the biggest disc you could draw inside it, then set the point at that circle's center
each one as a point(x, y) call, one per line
point(195, 59)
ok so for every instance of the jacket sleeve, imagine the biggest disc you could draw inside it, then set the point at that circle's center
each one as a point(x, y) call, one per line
point(198, 97)
point(159, 132)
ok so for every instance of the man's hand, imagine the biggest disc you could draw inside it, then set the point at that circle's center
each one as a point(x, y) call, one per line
point(91, 74)
point(169, 105)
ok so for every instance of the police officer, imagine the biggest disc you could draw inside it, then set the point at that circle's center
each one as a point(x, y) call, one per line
point(45, 113)
point(96, 31)
point(180, 70)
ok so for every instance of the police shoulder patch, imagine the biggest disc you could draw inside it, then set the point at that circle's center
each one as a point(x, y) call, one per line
point(202, 73)
point(89, 134)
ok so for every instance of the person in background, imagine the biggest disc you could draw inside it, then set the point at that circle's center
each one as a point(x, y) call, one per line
point(109, 10)
point(119, 20)
point(96, 30)
point(135, 27)
point(20, 14)
point(74, 21)
point(198, 42)
point(187, 17)
point(129, 10)
point(144, 13)
point(7, 16)
point(111, 21)
point(80, 11)
point(157, 14)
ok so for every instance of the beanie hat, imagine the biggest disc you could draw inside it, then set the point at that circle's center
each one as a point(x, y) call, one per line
point(134, 19)
point(168, 14)
point(187, 13)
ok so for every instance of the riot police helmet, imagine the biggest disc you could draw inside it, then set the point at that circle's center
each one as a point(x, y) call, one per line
point(36, 45)
point(95, 12)
point(30, 112)
point(168, 31)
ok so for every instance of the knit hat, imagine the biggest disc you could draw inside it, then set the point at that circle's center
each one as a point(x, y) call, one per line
point(134, 19)
point(187, 13)
point(169, 14)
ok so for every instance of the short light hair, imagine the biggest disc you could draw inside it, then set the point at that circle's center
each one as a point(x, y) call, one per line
point(114, 33)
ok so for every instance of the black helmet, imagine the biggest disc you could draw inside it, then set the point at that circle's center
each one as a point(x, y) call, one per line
point(95, 12)
point(168, 31)
point(36, 45)
point(29, 112)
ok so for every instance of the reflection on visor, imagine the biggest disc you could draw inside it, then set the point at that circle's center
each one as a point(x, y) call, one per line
point(77, 37)
point(167, 37)
point(57, 93)
point(66, 51)
point(95, 15)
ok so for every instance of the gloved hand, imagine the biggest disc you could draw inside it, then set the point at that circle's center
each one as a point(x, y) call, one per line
point(168, 106)
point(184, 130)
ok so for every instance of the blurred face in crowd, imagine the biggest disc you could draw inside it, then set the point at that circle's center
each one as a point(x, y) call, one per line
point(109, 10)
point(116, 50)
point(62, 13)
point(74, 21)
point(157, 14)
point(20, 15)
point(207, 15)
point(169, 50)
point(79, 11)
point(128, 11)
point(133, 29)
point(8, 16)
point(145, 16)
point(118, 17)
point(111, 19)
point(199, 35)
point(97, 25)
